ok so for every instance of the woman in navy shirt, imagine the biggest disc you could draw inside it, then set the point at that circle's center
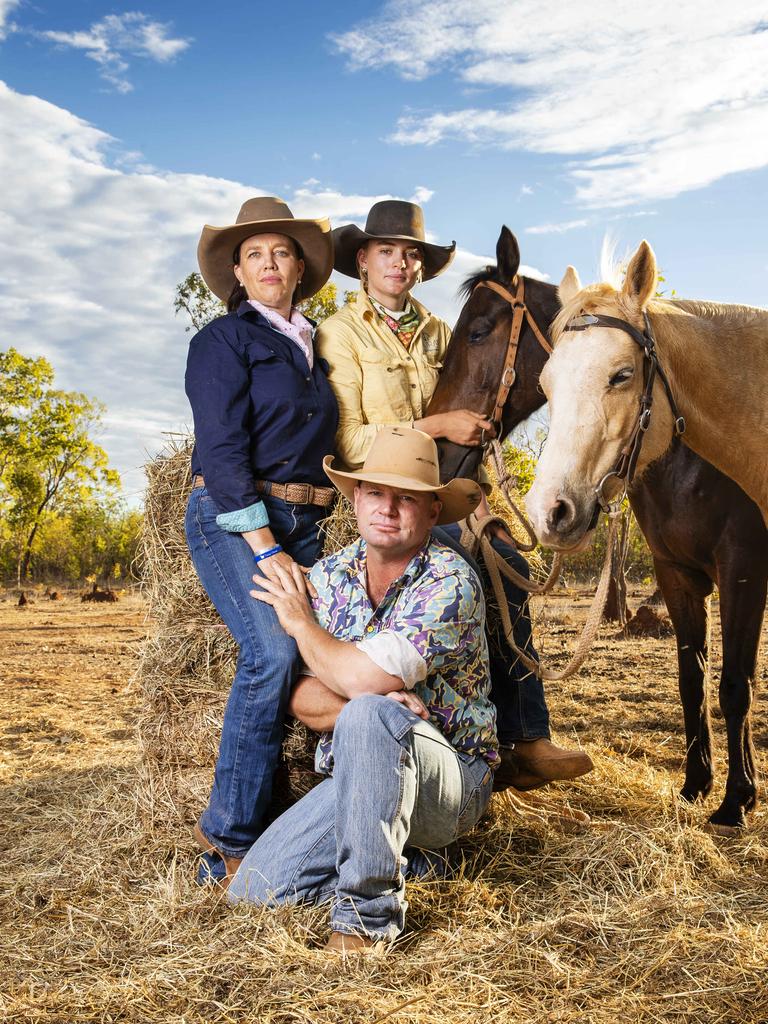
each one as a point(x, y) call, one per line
point(264, 417)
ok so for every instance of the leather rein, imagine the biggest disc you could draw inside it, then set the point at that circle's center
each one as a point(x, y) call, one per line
point(624, 470)
point(520, 312)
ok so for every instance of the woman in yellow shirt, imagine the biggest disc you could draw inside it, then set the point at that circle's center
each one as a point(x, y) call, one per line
point(385, 351)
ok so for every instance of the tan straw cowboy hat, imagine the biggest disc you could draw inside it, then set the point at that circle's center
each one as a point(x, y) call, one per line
point(405, 458)
point(390, 219)
point(265, 215)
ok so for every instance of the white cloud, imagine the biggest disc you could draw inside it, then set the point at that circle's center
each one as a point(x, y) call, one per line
point(556, 229)
point(6, 6)
point(650, 100)
point(116, 37)
point(422, 195)
point(90, 253)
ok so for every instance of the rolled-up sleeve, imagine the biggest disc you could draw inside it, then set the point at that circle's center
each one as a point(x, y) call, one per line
point(217, 383)
point(393, 653)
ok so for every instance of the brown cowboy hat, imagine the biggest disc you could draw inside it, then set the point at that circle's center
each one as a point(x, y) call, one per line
point(390, 219)
point(265, 215)
point(406, 458)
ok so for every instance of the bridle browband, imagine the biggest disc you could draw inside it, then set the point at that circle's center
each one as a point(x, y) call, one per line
point(520, 312)
point(625, 467)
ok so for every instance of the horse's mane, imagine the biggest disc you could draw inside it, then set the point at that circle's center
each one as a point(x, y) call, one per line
point(488, 273)
point(604, 298)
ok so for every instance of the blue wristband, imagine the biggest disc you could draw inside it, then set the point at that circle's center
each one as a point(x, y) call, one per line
point(268, 553)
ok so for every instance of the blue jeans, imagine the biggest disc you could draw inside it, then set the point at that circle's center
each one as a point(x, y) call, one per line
point(396, 781)
point(267, 664)
point(518, 693)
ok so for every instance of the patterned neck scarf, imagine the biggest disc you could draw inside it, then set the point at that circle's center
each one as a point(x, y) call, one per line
point(403, 325)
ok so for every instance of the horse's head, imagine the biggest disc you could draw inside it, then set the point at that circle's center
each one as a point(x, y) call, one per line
point(475, 359)
point(593, 382)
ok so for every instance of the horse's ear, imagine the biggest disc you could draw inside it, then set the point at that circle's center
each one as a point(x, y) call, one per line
point(642, 277)
point(507, 254)
point(570, 286)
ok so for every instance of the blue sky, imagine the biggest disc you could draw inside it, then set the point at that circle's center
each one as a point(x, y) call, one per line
point(124, 129)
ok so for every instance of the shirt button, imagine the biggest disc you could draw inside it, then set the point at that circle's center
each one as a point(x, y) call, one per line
point(308, 379)
point(310, 415)
point(413, 386)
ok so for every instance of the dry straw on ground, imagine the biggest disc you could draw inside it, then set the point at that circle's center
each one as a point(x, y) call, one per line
point(643, 919)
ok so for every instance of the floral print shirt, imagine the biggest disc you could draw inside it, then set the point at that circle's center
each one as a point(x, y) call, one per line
point(429, 630)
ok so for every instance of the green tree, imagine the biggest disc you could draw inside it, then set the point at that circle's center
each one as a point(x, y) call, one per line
point(49, 461)
point(23, 380)
point(324, 303)
point(196, 299)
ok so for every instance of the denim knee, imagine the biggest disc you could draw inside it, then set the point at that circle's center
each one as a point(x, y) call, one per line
point(373, 713)
point(280, 653)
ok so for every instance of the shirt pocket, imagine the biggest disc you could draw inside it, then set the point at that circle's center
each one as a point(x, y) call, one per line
point(385, 388)
point(275, 381)
point(431, 367)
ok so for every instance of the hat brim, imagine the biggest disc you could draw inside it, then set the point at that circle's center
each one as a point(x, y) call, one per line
point(347, 240)
point(459, 497)
point(214, 251)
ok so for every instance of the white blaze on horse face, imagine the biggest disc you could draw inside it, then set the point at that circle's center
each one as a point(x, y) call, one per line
point(591, 382)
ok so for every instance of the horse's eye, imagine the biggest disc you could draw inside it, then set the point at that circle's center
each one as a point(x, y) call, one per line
point(621, 377)
point(479, 331)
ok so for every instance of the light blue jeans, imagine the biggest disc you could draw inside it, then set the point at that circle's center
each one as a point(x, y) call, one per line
point(396, 781)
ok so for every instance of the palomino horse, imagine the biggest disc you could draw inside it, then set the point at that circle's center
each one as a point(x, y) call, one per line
point(622, 365)
point(700, 526)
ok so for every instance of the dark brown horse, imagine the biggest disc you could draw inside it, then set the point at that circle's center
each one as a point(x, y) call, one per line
point(701, 527)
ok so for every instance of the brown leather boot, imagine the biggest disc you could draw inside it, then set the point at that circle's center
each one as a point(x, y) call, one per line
point(546, 761)
point(509, 774)
point(340, 942)
point(230, 863)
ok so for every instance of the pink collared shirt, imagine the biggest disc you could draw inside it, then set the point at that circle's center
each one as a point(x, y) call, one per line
point(298, 328)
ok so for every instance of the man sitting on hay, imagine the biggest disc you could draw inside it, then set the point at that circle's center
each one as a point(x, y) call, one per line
point(397, 678)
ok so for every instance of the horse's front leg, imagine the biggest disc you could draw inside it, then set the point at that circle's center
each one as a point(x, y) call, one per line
point(742, 601)
point(686, 592)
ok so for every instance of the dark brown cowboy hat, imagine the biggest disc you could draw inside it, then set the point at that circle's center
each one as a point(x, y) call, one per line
point(390, 219)
point(265, 215)
point(404, 458)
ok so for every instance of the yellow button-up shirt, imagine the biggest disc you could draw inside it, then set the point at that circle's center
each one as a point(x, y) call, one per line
point(378, 382)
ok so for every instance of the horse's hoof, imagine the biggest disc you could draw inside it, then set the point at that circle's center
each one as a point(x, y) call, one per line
point(727, 831)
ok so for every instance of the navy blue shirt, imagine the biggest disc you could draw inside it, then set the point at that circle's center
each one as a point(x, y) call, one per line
point(260, 413)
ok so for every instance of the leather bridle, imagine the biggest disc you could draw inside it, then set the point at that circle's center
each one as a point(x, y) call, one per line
point(520, 312)
point(624, 470)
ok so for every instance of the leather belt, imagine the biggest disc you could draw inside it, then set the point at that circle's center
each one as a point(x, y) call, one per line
point(298, 494)
point(293, 494)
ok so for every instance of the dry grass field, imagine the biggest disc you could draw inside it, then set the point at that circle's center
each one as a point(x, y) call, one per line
point(645, 917)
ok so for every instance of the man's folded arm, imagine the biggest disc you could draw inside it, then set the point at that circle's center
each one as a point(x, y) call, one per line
point(343, 666)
